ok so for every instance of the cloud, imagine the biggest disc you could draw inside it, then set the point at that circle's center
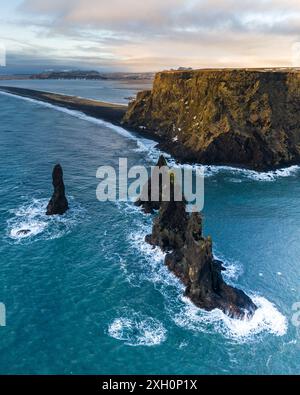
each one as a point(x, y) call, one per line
point(156, 34)
point(159, 16)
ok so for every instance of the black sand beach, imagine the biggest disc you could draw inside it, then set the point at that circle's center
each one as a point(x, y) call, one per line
point(106, 111)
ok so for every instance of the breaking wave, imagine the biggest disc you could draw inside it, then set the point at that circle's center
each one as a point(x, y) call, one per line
point(156, 271)
point(136, 329)
point(30, 223)
point(266, 319)
point(237, 174)
point(268, 176)
point(233, 268)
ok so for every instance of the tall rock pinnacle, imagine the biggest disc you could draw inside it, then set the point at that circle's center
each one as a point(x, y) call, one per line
point(189, 256)
point(149, 205)
point(58, 203)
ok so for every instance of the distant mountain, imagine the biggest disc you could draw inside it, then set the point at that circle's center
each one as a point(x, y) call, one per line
point(68, 75)
point(80, 75)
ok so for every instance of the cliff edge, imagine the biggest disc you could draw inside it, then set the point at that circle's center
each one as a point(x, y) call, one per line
point(241, 117)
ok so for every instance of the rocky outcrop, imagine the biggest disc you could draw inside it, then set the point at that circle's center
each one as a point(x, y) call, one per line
point(242, 117)
point(149, 205)
point(58, 203)
point(189, 256)
point(23, 232)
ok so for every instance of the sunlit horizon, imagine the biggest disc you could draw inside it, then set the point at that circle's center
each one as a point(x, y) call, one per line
point(131, 36)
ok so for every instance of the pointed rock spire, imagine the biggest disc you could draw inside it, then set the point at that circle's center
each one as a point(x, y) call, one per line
point(190, 257)
point(58, 203)
point(150, 205)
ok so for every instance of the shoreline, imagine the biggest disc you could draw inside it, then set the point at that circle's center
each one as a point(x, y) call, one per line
point(106, 111)
point(114, 113)
point(234, 117)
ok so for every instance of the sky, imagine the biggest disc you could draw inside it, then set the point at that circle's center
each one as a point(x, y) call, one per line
point(148, 35)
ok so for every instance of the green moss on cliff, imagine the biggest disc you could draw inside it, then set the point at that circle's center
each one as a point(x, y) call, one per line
point(241, 117)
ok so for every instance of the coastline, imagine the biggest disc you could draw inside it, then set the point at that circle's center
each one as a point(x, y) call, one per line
point(114, 113)
point(145, 262)
point(109, 112)
point(230, 117)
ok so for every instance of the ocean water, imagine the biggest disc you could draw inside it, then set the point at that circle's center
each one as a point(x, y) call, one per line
point(114, 91)
point(84, 293)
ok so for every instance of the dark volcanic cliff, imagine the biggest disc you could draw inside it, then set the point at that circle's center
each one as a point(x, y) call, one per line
point(239, 117)
point(58, 203)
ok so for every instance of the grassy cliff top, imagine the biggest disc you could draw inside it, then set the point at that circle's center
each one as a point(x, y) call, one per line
point(236, 69)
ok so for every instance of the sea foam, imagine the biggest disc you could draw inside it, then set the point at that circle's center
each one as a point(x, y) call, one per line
point(136, 329)
point(266, 319)
point(31, 217)
point(237, 174)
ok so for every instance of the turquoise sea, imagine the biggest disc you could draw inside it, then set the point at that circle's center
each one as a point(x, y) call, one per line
point(84, 294)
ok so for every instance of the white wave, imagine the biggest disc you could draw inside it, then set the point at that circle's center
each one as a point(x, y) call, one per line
point(183, 344)
point(30, 223)
point(130, 208)
point(130, 277)
point(233, 268)
point(156, 272)
point(237, 174)
point(150, 147)
point(266, 319)
point(150, 252)
point(268, 176)
point(26, 229)
point(136, 329)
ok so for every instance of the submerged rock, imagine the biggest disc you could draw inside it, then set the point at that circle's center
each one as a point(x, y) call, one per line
point(58, 203)
point(23, 232)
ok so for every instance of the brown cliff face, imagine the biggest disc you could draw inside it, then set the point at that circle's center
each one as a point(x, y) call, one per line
point(242, 117)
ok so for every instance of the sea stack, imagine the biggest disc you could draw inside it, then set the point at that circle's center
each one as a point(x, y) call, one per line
point(190, 257)
point(146, 203)
point(58, 203)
